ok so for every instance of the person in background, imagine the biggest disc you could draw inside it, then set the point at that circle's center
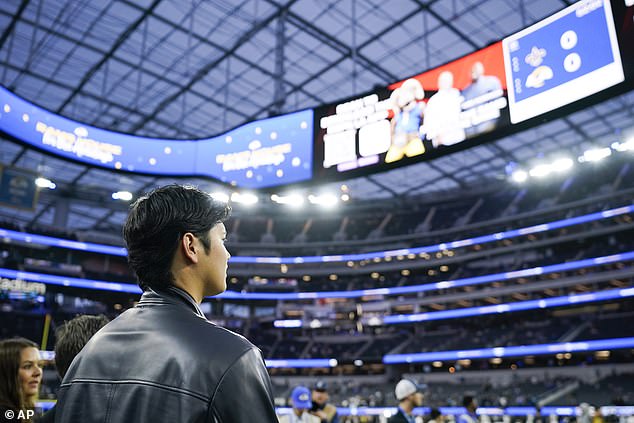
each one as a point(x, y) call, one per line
point(409, 396)
point(301, 403)
point(435, 416)
point(162, 360)
point(70, 338)
point(327, 413)
point(20, 379)
point(470, 405)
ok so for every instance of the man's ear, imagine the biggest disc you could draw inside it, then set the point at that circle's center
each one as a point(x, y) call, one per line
point(189, 247)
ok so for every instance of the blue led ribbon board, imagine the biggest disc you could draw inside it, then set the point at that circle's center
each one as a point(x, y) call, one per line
point(265, 153)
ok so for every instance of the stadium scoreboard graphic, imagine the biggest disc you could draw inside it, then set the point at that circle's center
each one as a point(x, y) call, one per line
point(561, 59)
point(506, 87)
point(259, 154)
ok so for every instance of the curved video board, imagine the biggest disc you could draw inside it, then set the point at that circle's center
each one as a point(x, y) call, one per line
point(508, 86)
point(269, 152)
point(567, 61)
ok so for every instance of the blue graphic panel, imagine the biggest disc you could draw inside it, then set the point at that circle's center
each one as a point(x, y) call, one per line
point(560, 51)
point(270, 152)
point(561, 59)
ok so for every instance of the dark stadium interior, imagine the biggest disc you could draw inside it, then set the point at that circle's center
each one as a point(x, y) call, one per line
point(437, 268)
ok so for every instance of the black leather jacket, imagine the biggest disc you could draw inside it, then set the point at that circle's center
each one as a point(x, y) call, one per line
point(163, 361)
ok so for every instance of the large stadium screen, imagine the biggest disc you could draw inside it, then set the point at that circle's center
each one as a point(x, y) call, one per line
point(561, 59)
point(479, 97)
point(269, 152)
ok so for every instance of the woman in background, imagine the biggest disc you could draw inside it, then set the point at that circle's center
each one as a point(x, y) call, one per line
point(20, 378)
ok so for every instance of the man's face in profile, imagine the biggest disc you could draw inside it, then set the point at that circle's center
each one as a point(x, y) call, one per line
point(214, 263)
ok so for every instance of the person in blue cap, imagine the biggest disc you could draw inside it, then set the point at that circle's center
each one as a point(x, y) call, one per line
point(302, 403)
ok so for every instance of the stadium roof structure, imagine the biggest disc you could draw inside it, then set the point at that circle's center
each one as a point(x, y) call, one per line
point(189, 69)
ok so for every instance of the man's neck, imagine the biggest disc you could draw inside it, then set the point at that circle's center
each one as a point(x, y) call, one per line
point(188, 288)
point(406, 406)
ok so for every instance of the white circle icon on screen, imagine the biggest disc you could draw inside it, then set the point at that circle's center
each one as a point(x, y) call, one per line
point(568, 40)
point(572, 62)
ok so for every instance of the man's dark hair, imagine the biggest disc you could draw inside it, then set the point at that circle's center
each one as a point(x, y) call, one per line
point(156, 223)
point(71, 337)
point(434, 413)
point(467, 400)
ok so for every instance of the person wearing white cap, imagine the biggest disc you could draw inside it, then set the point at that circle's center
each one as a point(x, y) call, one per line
point(409, 396)
point(302, 403)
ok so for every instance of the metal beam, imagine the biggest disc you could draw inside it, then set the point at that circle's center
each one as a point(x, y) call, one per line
point(120, 40)
point(14, 20)
point(92, 96)
point(66, 11)
point(280, 41)
point(383, 186)
point(18, 156)
point(202, 72)
point(338, 45)
point(445, 23)
point(139, 192)
point(133, 67)
point(447, 175)
point(42, 44)
point(345, 55)
point(207, 40)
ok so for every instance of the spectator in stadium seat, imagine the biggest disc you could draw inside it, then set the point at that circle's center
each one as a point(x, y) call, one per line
point(301, 402)
point(408, 396)
point(435, 416)
point(470, 404)
point(20, 379)
point(70, 338)
point(163, 360)
point(327, 413)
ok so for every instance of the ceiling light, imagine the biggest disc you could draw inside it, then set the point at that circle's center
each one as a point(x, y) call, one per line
point(246, 198)
point(540, 171)
point(223, 197)
point(293, 200)
point(624, 146)
point(45, 183)
point(595, 155)
point(519, 176)
point(122, 195)
point(325, 200)
point(562, 165)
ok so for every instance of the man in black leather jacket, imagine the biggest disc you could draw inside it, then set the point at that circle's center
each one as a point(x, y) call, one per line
point(163, 361)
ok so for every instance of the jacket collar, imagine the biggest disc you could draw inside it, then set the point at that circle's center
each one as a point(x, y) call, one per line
point(171, 294)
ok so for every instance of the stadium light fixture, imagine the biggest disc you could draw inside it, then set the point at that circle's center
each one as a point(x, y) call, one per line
point(45, 183)
point(223, 197)
point(624, 146)
point(122, 195)
point(519, 176)
point(293, 200)
point(324, 200)
point(540, 170)
point(595, 154)
point(246, 198)
point(562, 165)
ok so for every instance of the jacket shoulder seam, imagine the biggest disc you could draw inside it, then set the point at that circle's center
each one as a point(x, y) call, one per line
point(137, 382)
point(229, 367)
